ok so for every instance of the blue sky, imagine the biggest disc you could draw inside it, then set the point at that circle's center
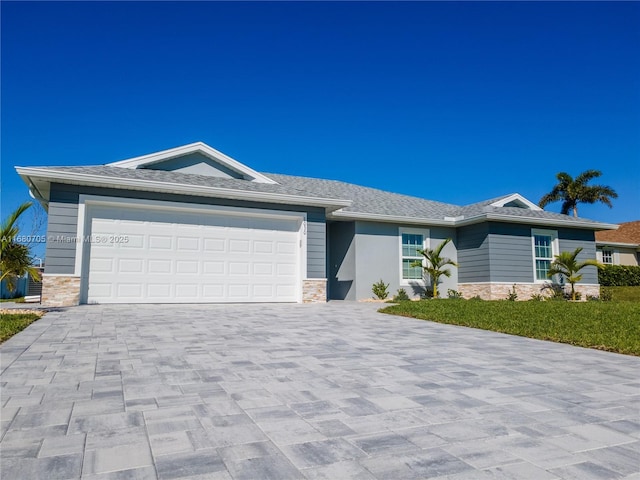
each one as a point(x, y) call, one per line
point(455, 102)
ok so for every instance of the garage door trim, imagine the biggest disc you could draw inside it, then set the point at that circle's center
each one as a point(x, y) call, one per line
point(84, 220)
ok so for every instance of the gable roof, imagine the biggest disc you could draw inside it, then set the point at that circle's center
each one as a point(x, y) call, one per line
point(627, 233)
point(341, 200)
point(197, 147)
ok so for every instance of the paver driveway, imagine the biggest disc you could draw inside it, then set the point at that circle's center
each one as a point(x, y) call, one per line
point(332, 391)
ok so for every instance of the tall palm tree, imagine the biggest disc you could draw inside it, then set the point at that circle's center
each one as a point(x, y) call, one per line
point(15, 259)
point(566, 265)
point(436, 263)
point(571, 192)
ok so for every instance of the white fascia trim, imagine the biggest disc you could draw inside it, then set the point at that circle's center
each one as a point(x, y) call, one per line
point(602, 243)
point(85, 201)
point(340, 215)
point(551, 222)
point(164, 187)
point(200, 147)
point(516, 196)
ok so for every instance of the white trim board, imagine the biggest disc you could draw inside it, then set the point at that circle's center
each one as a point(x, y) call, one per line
point(86, 201)
point(197, 147)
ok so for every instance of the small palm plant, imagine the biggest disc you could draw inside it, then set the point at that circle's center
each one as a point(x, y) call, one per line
point(565, 264)
point(435, 264)
point(15, 259)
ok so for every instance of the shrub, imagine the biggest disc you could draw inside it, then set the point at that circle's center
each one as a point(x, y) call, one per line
point(380, 289)
point(512, 296)
point(619, 276)
point(401, 296)
point(593, 298)
point(536, 297)
point(427, 294)
point(606, 295)
point(454, 294)
point(477, 298)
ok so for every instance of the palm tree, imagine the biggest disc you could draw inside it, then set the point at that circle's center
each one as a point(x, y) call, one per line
point(571, 192)
point(15, 259)
point(566, 265)
point(435, 264)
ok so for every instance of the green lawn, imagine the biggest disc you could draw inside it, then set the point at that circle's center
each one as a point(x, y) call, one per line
point(626, 294)
point(12, 323)
point(14, 300)
point(612, 326)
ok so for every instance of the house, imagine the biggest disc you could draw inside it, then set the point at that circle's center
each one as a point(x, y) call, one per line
point(621, 246)
point(191, 224)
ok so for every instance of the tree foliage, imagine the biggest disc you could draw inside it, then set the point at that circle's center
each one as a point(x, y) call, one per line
point(435, 264)
point(15, 258)
point(567, 265)
point(572, 191)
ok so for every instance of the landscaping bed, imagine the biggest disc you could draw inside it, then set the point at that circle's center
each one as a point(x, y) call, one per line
point(14, 321)
point(612, 326)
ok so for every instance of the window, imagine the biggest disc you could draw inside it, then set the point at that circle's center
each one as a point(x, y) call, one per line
point(607, 256)
point(544, 248)
point(411, 242)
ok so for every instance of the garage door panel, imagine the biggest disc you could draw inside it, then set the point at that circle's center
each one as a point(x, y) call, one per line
point(160, 242)
point(213, 267)
point(129, 290)
point(155, 266)
point(159, 290)
point(102, 265)
point(167, 259)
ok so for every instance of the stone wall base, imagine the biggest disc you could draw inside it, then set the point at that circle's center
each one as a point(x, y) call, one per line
point(500, 291)
point(314, 290)
point(60, 290)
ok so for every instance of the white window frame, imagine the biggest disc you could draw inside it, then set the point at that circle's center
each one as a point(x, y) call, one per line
point(555, 249)
point(425, 244)
point(611, 257)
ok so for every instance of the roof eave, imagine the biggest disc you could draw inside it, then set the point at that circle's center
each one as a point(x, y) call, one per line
point(604, 243)
point(28, 173)
point(535, 221)
point(342, 215)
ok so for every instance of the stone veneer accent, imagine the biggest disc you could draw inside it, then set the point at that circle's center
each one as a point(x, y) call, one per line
point(499, 291)
point(314, 290)
point(60, 290)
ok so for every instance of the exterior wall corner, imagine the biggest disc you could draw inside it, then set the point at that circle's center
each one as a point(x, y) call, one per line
point(314, 290)
point(60, 290)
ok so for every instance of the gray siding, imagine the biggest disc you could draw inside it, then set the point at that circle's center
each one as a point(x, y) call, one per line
point(341, 260)
point(510, 252)
point(378, 257)
point(195, 163)
point(473, 253)
point(62, 224)
point(502, 252)
point(63, 218)
point(571, 239)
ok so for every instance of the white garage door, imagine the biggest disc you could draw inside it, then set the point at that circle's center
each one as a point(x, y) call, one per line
point(152, 256)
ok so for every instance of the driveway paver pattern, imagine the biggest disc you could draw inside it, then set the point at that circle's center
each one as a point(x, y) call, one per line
point(332, 391)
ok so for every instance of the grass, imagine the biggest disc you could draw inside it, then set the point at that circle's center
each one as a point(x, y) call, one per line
point(14, 300)
point(612, 326)
point(12, 323)
point(624, 294)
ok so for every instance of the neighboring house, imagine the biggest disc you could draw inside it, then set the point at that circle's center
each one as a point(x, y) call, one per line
point(621, 246)
point(191, 224)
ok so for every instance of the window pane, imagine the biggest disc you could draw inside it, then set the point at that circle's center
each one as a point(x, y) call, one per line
point(543, 246)
point(607, 257)
point(409, 272)
point(410, 244)
point(542, 268)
